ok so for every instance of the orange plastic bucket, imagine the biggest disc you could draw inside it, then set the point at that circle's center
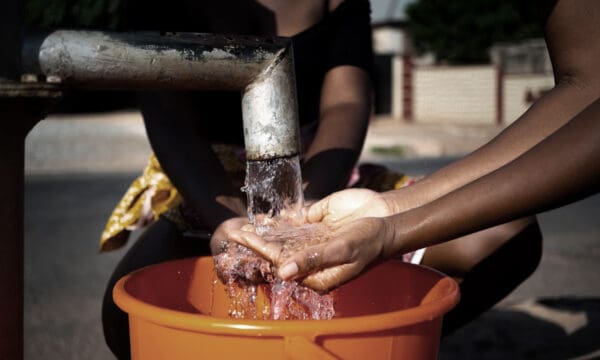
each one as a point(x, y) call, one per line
point(178, 310)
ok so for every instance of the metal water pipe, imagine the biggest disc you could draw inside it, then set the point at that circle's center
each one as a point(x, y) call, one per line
point(262, 68)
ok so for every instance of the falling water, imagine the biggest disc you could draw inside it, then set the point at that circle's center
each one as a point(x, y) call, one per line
point(275, 200)
point(273, 187)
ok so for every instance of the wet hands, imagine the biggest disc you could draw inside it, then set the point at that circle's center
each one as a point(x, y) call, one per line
point(347, 205)
point(352, 235)
point(218, 240)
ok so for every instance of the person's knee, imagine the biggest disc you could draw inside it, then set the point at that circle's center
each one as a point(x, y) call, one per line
point(531, 240)
point(148, 249)
point(517, 242)
point(115, 324)
point(498, 274)
point(522, 251)
point(162, 241)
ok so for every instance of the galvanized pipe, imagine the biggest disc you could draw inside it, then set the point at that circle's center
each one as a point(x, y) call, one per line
point(269, 109)
point(262, 68)
point(146, 60)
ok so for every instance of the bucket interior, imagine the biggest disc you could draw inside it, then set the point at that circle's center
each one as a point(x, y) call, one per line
point(191, 286)
point(179, 310)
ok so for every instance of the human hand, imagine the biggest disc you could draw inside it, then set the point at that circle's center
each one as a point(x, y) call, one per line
point(354, 234)
point(348, 205)
point(218, 240)
point(345, 251)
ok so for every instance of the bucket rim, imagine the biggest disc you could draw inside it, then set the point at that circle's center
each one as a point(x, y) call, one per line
point(198, 322)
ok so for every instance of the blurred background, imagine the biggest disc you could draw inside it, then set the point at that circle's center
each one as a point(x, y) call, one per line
point(449, 76)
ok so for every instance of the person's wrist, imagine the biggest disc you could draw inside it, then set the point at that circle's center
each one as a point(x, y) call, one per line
point(402, 232)
point(388, 236)
point(410, 197)
point(390, 202)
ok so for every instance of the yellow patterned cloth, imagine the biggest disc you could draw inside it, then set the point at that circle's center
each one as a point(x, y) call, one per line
point(149, 195)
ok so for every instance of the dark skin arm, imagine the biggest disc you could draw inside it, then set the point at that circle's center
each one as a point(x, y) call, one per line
point(344, 115)
point(344, 110)
point(572, 34)
point(547, 158)
point(563, 168)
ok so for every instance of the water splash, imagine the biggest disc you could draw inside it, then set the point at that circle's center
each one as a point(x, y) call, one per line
point(275, 200)
point(273, 187)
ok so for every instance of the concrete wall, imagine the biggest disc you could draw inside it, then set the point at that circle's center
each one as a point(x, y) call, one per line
point(457, 94)
point(520, 91)
point(397, 87)
point(463, 94)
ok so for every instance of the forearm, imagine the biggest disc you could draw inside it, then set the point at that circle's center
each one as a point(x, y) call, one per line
point(344, 115)
point(574, 52)
point(562, 168)
point(548, 114)
point(335, 150)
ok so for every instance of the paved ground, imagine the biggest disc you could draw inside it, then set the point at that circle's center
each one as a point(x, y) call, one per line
point(554, 315)
point(101, 143)
point(78, 143)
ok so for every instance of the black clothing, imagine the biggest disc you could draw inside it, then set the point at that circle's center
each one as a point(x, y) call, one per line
point(342, 37)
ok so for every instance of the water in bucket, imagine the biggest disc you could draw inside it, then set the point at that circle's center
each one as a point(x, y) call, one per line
point(274, 190)
point(177, 310)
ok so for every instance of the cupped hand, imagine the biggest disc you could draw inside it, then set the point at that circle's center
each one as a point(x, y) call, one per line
point(218, 240)
point(348, 205)
point(355, 236)
point(349, 248)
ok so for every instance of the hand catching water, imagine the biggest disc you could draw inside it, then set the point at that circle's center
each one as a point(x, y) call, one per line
point(218, 240)
point(355, 235)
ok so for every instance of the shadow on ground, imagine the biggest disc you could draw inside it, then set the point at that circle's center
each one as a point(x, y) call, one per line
point(552, 328)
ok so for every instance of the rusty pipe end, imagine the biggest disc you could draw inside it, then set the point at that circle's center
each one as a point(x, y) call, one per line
point(270, 110)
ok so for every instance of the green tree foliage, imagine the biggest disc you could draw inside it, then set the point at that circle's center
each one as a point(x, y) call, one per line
point(45, 14)
point(462, 31)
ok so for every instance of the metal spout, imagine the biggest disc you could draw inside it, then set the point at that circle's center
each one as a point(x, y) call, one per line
point(270, 111)
point(262, 68)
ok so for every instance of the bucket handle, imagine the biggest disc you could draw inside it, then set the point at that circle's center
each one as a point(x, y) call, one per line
point(299, 348)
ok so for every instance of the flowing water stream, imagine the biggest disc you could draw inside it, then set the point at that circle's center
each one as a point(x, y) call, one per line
point(275, 200)
point(273, 186)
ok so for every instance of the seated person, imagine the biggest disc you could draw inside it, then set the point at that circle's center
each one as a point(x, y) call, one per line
point(197, 140)
point(547, 158)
